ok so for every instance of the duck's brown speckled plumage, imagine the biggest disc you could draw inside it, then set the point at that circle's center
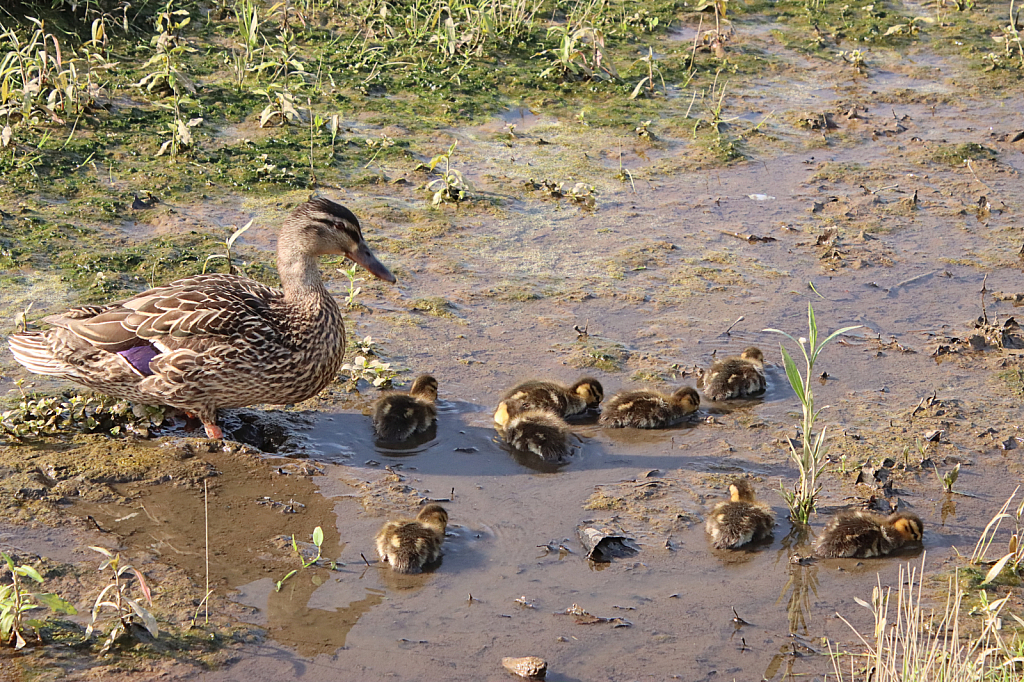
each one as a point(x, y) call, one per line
point(741, 519)
point(736, 377)
point(538, 432)
point(214, 341)
point(398, 416)
point(564, 401)
point(647, 409)
point(410, 545)
point(866, 534)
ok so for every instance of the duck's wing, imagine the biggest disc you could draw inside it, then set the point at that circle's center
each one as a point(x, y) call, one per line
point(173, 315)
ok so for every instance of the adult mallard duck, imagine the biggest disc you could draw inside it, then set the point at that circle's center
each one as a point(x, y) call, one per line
point(215, 341)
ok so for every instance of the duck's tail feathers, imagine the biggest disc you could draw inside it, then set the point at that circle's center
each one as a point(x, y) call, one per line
point(32, 350)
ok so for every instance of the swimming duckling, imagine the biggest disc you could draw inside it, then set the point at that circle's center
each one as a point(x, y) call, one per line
point(398, 416)
point(740, 520)
point(866, 534)
point(736, 377)
point(538, 432)
point(564, 401)
point(409, 545)
point(646, 409)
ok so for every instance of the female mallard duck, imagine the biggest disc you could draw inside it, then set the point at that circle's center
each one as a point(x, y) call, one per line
point(736, 377)
point(538, 432)
point(215, 341)
point(741, 520)
point(646, 409)
point(866, 534)
point(398, 416)
point(564, 401)
point(410, 545)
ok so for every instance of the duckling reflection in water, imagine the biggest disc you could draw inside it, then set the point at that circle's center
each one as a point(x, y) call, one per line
point(410, 545)
point(647, 409)
point(538, 432)
point(736, 377)
point(562, 401)
point(865, 534)
point(740, 520)
point(398, 416)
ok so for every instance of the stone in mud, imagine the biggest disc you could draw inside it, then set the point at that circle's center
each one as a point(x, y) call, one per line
point(530, 667)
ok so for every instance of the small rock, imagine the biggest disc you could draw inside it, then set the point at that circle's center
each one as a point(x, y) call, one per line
point(530, 667)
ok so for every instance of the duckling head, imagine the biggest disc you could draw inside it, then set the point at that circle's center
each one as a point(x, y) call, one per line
point(590, 390)
point(433, 516)
point(687, 397)
point(424, 387)
point(753, 354)
point(909, 526)
point(740, 490)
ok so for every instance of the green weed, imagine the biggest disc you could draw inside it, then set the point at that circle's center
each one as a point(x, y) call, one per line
point(15, 601)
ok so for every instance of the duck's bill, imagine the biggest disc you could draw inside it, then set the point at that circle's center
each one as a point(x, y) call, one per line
point(365, 257)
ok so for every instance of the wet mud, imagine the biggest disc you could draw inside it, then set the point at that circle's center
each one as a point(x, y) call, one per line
point(873, 217)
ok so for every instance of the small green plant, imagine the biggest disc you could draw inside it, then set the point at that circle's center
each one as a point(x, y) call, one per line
point(376, 372)
point(15, 601)
point(353, 290)
point(451, 187)
point(580, 54)
point(127, 611)
point(34, 417)
point(949, 478)
point(646, 84)
point(366, 346)
point(228, 243)
point(318, 541)
point(810, 460)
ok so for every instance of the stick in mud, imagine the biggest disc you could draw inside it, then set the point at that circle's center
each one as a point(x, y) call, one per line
point(729, 329)
point(364, 559)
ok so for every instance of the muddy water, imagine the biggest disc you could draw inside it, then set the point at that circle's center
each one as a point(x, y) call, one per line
point(657, 273)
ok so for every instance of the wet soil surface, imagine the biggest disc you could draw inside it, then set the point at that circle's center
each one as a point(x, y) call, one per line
point(866, 218)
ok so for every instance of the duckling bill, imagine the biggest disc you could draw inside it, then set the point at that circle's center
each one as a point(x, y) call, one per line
point(736, 377)
point(408, 546)
point(563, 401)
point(398, 416)
point(865, 534)
point(740, 520)
point(646, 409)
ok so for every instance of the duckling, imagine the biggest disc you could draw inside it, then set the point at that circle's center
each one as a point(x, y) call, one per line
point(736, 377)
point(563, 401)
point(409, 545)
point(740, 520)
point(398, 416)
point(646, 409)
point(538, 432)
point(866, 534)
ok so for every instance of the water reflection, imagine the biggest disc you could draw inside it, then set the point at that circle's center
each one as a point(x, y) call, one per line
point(803, 579)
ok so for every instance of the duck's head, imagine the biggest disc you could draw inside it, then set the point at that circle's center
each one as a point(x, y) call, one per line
point(590, 389)
point(740, 490)
point(502, 415)
point(687, 397)
point(909, 526)
point(753, 354)
point(320, 227)
point(435, 516)
point(424, 387)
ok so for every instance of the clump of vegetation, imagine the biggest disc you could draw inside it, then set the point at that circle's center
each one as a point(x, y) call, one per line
point(810, 459)
point(127, 611)
point(378, 373)
point(1013, 560)
point(318, 541)
point(959, 154)
point(16, 601)
point(35, 417)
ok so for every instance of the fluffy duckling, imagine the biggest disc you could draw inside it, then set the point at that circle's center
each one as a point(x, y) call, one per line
point(736, 377)
point(866, 534)
point(398, 416)
point(538, 432)
point(740, 520)
point(563, 401)
point(646, 409)
point(409, 545)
